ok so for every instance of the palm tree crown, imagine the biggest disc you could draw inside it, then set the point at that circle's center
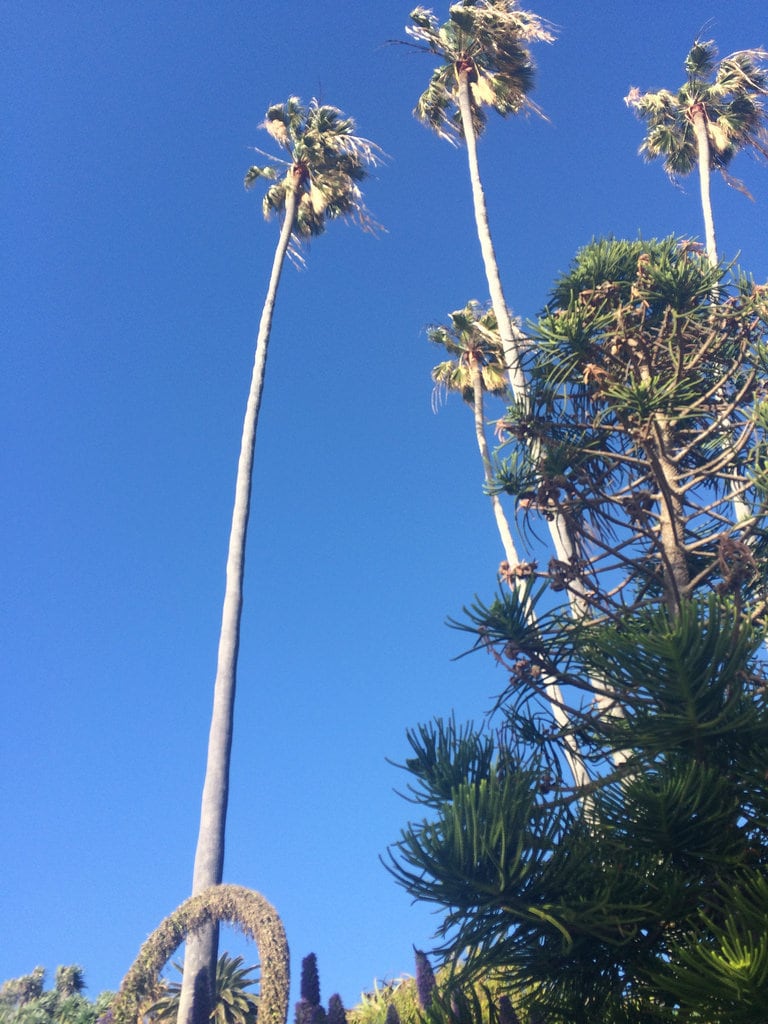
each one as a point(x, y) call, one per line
point(473, 340)
point(327, 161)
point(234, 1001)
point(728, 93)
point(320, 181)
point(486, 40)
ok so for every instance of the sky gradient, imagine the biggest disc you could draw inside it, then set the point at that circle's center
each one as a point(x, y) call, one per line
point(135, 269)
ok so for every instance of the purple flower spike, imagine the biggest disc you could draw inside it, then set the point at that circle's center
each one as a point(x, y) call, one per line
point(393, 1017)
point(310, 980)
point(507, 1013)
point(425, 979)
point(336, 1012)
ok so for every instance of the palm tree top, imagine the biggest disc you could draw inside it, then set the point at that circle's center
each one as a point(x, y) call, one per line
point(487, 40)
point(729, 92)
point(235, 1002)
point(471, 336)
point(325, 163)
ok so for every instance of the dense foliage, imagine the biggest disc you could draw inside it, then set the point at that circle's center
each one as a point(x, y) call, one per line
point(235, 1001)
point(25, 1000)
point(633, 889)
point(643, 894)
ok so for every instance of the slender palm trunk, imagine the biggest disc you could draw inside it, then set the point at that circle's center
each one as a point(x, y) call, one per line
point(482, 444)
point(698, 118)
point(697, 114)
point(202, 949)
point(511, 337)
point(570, 748)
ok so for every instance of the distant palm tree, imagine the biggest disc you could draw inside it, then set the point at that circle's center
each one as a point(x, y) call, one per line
point(485, 64)
point(477, 367)
point(70, 980)
point(715, 114)
point(234, 1003)
point(318, 181)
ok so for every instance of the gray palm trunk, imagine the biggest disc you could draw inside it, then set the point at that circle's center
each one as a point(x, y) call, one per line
point(511, 337)
point(476, 376)
point(202, 948)
point(698, 118)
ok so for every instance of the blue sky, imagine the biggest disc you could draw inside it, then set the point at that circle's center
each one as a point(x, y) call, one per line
point(134, 274)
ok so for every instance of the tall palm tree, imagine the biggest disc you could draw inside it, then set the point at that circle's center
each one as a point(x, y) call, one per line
point(317, 181)
point(484, 47)
point(716, 113)
point(485, 64)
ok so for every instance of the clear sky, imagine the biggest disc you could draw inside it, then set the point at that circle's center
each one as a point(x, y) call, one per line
point(133, 274)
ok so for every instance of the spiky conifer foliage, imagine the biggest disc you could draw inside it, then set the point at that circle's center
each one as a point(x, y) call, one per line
point(643, 895)
point(648, 417)
point(650, 891)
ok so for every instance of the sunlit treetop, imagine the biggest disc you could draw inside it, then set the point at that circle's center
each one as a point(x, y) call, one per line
point(471, 338)
point(487, 41)
point(730, 92)
point(326, 163)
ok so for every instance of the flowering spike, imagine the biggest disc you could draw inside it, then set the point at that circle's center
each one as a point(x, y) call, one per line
point(336, 1012)
point(392, 1017)
point(425, 979)
point(310, 981)
point(507, 1013)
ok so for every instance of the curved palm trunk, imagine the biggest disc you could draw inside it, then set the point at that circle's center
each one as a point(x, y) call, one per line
point(698, 118)
point(202, 949)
